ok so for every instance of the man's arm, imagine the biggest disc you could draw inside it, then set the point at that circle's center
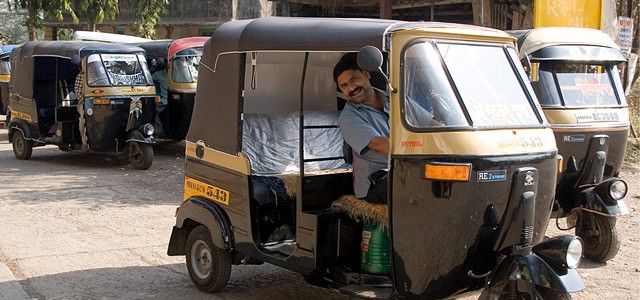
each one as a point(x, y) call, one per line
point(379, 144)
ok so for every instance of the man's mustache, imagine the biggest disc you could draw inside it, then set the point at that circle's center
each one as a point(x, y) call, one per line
point(356, 90)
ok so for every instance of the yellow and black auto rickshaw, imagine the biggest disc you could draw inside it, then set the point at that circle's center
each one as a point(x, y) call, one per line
point(178, 60)
point(575, 78)
point(5, 74)
point(468, 202)
point(116, 110)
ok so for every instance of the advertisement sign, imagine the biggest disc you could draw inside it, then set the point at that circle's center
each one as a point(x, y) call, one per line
point(624, 38)
point(569, 13)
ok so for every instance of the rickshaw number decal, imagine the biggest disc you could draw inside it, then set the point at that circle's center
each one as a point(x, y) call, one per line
point(194, 187)
point(20, 115)
point(488, 176)
point(523, 142)
point(597, 116)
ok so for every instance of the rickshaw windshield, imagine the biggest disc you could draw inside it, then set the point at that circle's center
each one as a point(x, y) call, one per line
point(583, 84)
point(117, 69)
point(483, 76)
point(185, 68)
point(5, 67)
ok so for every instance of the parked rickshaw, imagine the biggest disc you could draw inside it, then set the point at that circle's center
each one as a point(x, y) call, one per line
point(575, 78)
point(116, 111)
point(5, 74)
point(180, 60)
point(469, 201)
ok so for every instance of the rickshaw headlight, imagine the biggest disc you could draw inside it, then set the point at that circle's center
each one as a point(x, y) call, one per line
point(148, 129)
point(617, 190)
point(574, 253)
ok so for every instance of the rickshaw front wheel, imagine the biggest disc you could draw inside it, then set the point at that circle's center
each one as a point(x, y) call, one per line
point(22, 148)
point(140, 155)
point(209, 266)
point(600, 237)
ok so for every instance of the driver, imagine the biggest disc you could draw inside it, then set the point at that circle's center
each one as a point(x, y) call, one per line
point(364, 123)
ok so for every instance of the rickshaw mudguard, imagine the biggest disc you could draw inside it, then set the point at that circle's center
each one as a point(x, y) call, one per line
point(19, 125)
point(594, 202)
point(524, 265)
point(202, 212)
point(137, 136)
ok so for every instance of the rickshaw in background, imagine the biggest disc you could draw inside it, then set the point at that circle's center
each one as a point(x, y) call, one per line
point(469, 201)
point(117, 107)
point(5, 74)
point(176, 61)
point(576, 81)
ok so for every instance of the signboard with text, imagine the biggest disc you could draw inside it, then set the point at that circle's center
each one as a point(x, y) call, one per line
point(624, 38)
point(569, 13)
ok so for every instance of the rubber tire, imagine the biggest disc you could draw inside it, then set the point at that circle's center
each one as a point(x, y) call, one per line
point(603, 247)
point(551, 294)
point(218, 276)
point(22, 148)
point(140, 155)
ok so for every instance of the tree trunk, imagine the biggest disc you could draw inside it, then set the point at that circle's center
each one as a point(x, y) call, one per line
point(32, 25)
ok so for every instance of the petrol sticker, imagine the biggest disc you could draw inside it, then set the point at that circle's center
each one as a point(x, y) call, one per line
point(573, 138)
point(193, 187)
point(488, 176)
point(411, 144)
point(528, 179)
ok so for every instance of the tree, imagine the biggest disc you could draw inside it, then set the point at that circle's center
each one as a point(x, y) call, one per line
point(54, 9)
point(147, 13)
point(11, 28)
point(96, 11)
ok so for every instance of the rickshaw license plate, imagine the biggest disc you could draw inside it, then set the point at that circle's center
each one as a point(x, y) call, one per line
point(193, 187)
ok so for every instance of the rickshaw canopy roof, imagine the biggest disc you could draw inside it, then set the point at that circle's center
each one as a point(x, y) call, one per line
point(567, 43)
point(186, 43)
point(155, 49)
point(219, 84)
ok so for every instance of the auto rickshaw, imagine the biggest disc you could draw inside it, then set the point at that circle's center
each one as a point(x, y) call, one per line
point(468, 202)
point(179, 59)
point(575, 78)
point(116, 111)
point(5, 74)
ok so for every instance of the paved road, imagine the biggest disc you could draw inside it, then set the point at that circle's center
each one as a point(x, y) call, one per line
point(88, 226)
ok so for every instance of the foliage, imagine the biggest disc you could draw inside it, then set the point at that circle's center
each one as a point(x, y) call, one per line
point(54, 9)
point(147, 14)
point(12, 31)
point(96, 11)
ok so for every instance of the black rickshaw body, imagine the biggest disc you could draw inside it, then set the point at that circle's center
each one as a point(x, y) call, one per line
point(181, 59)
point(575, 77)
point(117, 107)
point(469, 202)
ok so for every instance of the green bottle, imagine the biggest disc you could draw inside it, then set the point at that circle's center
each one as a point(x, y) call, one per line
point(375, 249)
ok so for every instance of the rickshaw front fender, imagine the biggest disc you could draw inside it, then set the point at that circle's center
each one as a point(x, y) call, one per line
point(19, 125)
point(594, 200)
point(198, 211)
point(137, 136)
point(525, 265)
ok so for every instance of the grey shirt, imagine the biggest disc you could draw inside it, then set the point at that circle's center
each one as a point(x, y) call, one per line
point(359, 123)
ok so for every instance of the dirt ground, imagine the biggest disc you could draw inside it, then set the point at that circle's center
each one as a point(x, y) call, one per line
point(86, 226)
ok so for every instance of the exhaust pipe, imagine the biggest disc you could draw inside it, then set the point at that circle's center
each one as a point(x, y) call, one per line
point(3, 125)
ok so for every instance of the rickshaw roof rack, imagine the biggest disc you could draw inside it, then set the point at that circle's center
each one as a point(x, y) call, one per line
point(535, 39)
point(66, 49)
point(319, 34)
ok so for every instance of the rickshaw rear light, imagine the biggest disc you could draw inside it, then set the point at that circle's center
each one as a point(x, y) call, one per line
point(103, 101)
point(443, 171)
point(560, 163)
point(157, 99)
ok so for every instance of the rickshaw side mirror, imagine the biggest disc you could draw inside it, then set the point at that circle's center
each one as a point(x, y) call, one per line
point(370, 59)
point(75, 59)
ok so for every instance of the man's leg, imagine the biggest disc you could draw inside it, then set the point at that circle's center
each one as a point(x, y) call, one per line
point(378, 190)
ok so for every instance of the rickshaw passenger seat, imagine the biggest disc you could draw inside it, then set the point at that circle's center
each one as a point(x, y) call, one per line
point(45, 92)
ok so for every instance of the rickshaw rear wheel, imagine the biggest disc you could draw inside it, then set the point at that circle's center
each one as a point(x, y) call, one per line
point(601, 243)
point(22, 148)
point(140, 155)
point(209, 266)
